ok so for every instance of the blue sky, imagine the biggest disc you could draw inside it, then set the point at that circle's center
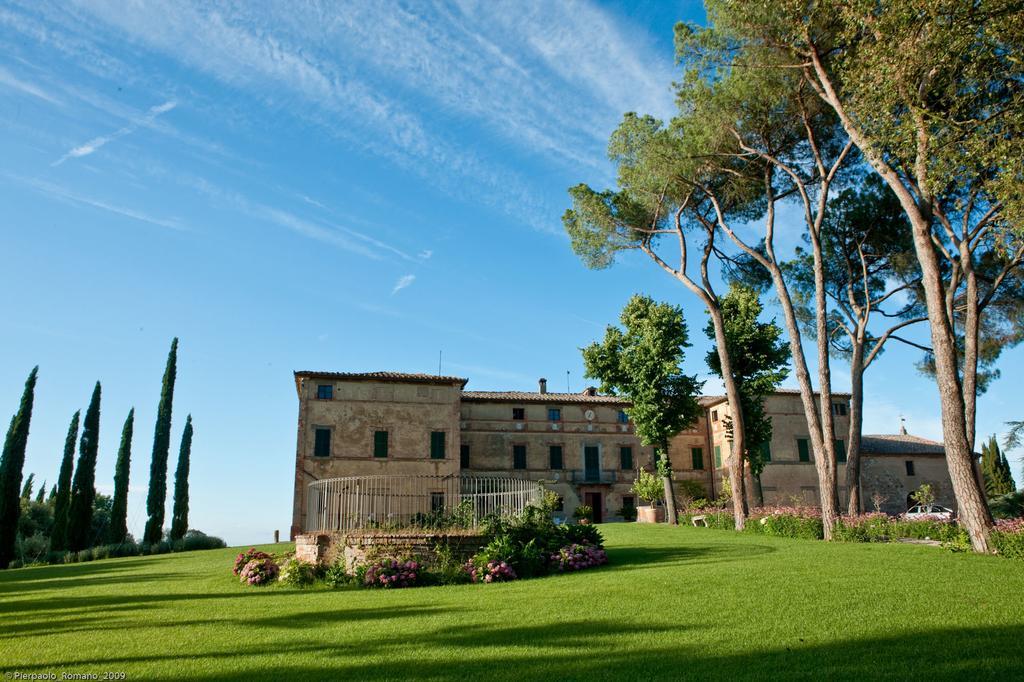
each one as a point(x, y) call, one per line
point(320, 186)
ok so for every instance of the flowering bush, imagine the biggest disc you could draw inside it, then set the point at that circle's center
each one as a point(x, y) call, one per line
point(390, 572)
point(259, 571)
point(245, 557)
point(1008, 538)
point(869, 527)
point(786, 522)
point(297, 573)
point(576, 557)
point(490, 571)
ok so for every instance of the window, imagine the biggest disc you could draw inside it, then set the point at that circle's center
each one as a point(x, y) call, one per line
point(436, 502)
point(322, 443)
point(555, 455)
point(519, 413)
point(554, 414)
point(714, 415)
point(437, 445)
point(718, 456)
point(766, 451)
point(464, 456)
point(697, 454)
point(628, 501)
point(910, 467)
point(840, 451)
point(324, 392)
point(803, 450)
point(625, 457)
point(380, 443)
point(518, 456)
point(623, 417)
point(839, 409)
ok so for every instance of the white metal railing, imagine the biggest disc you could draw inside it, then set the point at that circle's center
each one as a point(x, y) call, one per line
point(365, 502)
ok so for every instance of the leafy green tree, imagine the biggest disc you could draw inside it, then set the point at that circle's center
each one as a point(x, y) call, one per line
point(26, 490)
point(83, 490)
point(760, 364)
point(929, 93)
point(62, 501)
point(157, 498)
point(642, 362)
point(119, 504)
point(12, 462)
point(179, 519)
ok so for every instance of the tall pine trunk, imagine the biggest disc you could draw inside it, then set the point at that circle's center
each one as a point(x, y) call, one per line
point(179, 519)
point(62, 500)
point(12, 462)
point(157, 497)
point(119, 505)
point(83, 491)
point(827, 468)
point(855, 502)
point(732, 394)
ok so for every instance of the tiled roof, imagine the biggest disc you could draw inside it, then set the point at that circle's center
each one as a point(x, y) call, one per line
point(535, 397)
point(403, 377)
point(709, 400)
point(899, 444)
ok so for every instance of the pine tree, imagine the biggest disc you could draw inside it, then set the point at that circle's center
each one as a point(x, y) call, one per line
point(12, 461)
point(59, 538)
point(41, 497)
point(119, 506)
point(157, 497)
point(26, 490)
point(83, 491)
point(179, 521)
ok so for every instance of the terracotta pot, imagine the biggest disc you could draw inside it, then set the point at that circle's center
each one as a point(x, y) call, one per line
point(649, 514)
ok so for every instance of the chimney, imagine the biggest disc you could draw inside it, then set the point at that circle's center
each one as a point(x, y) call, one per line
point(903, 426)
point(590, 391)
point(543, 385)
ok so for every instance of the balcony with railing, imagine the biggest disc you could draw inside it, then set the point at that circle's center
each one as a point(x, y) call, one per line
point(594, 477)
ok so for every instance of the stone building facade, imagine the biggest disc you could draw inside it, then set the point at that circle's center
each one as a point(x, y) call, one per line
point(582, 445)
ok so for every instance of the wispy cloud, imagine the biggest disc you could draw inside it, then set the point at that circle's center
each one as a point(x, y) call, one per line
point(403, 282)
point(97, 142)
point(63, 194)
point(8, 79)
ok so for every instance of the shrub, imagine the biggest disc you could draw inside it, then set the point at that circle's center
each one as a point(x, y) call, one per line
point(787, 522)
point(245, 557)
point(628, 512)
point(1008, 506)
point(714, 517)
point(944, 530)
point(648, 487)
point(337, 576)
point(869, 527)
point(297, 573)
point(481, 571)
point(260, 571)
point(195, 540)
point(1008, 538)
point(576, 557)
point(583, 535)
point(583, 512)
point(390, 573)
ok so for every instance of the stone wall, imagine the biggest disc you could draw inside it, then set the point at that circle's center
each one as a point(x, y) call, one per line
point(354, 547)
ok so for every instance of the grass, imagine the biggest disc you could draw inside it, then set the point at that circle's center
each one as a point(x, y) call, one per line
point(673, 603)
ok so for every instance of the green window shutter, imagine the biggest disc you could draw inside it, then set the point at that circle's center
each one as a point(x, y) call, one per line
point(625, 457)
point(464, 456)
point(380, 443)
point(698, 457)
point(437, 445)
point(803, 450)
point(518, 456)
point(840, 450)
point(718, 456)
point(555, 455)
point(322, 443)
point(766, 451)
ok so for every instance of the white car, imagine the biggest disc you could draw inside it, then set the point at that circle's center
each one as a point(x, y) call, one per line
point(929, 511)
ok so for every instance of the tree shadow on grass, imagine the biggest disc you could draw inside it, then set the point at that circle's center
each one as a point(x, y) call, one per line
point(635, 558)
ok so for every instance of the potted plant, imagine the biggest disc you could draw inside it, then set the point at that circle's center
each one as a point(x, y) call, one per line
point(651, 489)
point(583, 514)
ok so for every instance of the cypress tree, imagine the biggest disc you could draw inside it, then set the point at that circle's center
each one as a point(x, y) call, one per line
point(12, 461)
point(26, 490)
point(53, 494)
point(157, 497)
point(41, 497)
point(119, 505)
point(59, 538)
point(83, 491)
point(179, 521)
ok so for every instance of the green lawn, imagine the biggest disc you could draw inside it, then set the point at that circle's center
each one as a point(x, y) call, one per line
point(673, 603)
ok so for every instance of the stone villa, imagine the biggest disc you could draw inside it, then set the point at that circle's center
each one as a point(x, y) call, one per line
point(582, 445)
